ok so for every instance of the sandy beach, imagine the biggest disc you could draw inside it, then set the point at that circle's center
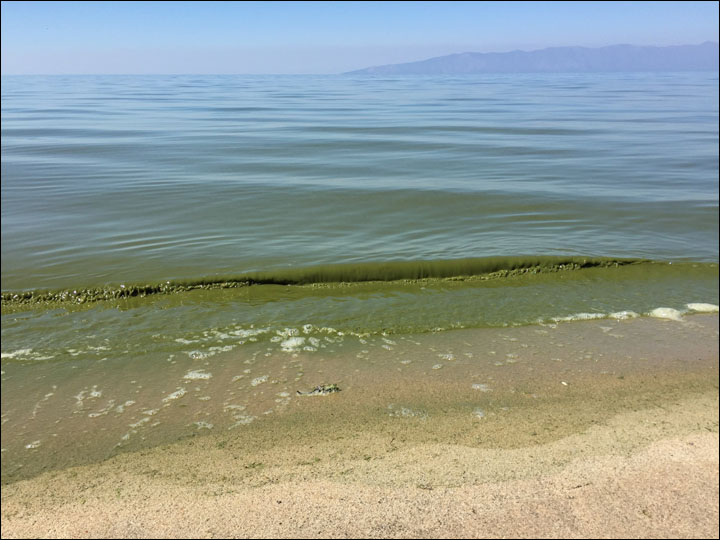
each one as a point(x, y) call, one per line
point(578, 445)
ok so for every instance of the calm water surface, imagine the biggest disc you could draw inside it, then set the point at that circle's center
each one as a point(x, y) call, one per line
point(108, 179)
point(113, 181)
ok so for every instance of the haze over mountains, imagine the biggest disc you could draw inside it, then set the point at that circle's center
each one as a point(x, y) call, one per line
point(703, 57)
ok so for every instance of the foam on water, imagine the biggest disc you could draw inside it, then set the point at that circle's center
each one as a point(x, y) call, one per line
point(292, 344)
point(121, 408)
point(703, 308)
point(622, 315)
point(659, 312)
point(26, 354)
point(14, 354)
point(580, 317)
point(180, 392)
point(666, 313)
point(197, 375)
point(259, 380)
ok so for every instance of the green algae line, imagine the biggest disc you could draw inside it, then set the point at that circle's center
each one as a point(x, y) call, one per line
point(460, 269)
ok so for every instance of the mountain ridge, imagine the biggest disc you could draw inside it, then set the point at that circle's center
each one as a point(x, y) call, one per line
point(621, 57)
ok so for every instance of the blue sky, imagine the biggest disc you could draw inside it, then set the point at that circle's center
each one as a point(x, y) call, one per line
point(320, 37)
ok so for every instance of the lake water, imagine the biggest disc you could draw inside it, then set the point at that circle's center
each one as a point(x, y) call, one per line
point(151, 218)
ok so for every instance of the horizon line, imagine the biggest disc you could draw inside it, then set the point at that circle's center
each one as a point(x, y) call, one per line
point(346, 73)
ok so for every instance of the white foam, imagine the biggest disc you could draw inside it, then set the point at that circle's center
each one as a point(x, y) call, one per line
point(139, 422)
point(287, 332)
point(479, 413)
point(180, 392)
point(703, 308)
point(226, 348)
point(121, 408)
point(481, 387)
point(580, 317)
point(666, 313)
point(19, 352)
point(32, 445)
point(197, 375)
point(259, 380)
point(622, 315)
point(102, 412)
point(249, 332)
point(84, 394)
point(292, 344)
point(237, 408)
point(327, 330)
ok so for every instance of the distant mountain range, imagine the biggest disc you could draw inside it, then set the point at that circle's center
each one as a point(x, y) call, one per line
point(702, 57)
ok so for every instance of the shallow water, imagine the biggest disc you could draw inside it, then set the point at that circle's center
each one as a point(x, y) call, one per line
point(59, 414)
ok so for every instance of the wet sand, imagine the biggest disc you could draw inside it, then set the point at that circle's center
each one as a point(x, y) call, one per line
point(593, 429)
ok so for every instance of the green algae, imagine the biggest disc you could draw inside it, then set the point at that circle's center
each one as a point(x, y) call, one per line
point(487, 268)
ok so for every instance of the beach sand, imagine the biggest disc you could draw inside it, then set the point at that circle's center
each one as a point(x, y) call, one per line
point(593, 429)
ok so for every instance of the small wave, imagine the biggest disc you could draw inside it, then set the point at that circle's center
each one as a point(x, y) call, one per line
point(26, 354)
point(666, 313)
point(622, 315)
point(703, 308)
point(15, 354)
point(581, 317)
point(474, 268)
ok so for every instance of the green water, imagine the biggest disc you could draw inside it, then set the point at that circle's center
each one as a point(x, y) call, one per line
point(201, 320)
point(154, 225)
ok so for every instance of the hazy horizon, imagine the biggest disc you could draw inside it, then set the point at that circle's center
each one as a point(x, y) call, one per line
point(320, 38)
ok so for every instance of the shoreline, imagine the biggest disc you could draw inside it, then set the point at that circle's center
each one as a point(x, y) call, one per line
point(600, 429)
point(667, 488)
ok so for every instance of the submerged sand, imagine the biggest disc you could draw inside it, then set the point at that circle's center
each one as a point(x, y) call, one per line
point(602, 429)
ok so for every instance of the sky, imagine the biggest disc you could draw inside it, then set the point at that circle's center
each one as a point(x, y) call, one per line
point(319, 37)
